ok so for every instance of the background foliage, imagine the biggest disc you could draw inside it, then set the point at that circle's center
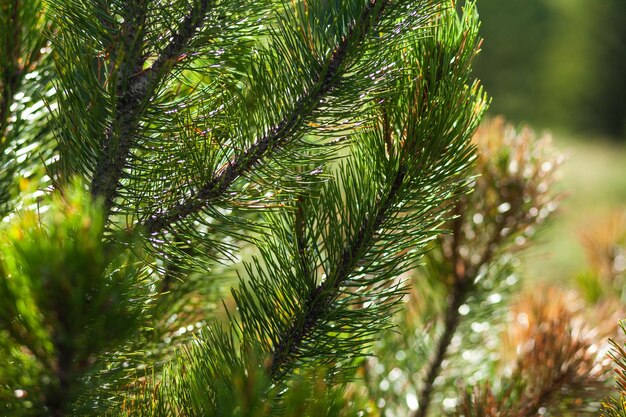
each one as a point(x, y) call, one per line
point(566, 69)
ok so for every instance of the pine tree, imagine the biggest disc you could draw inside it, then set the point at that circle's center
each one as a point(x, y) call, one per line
point(212, 208)
point(209, 205)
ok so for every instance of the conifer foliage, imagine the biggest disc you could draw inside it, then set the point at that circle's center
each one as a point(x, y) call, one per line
point(165, 141)
point(211, 208)
point(466, 344)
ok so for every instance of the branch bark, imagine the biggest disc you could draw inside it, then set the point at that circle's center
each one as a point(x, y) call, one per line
point(135, 86)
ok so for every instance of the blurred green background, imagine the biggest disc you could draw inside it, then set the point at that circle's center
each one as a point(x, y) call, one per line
point(560, 65)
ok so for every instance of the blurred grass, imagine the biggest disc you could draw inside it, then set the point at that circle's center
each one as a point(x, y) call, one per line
point(594, 183)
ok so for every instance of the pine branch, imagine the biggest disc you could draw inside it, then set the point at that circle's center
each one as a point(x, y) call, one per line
point(280, 134)
point(615, 406)
point(322, 296)
point(67, 298)
point(13, 74)
point(562, 366)
point(463, 277)
point(497, 201)
point(452, 319)
point(369, 226)
point(135, 87)
point(172, 52)
point(24, 80)
point(120, 135)
point(368, 229)
point(550, 360)
point(16, 67)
